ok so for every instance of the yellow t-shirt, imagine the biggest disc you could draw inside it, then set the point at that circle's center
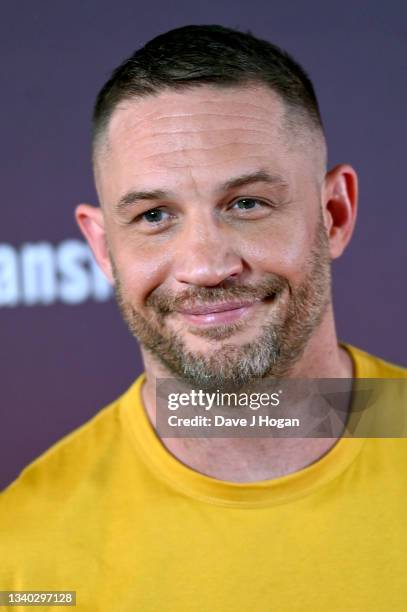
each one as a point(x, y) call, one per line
point(109, 513)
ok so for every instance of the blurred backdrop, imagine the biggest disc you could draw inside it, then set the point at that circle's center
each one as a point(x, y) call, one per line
point(65, 352)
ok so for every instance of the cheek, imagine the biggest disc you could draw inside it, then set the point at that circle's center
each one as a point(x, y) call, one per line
point(141, 270)
point(281, 249)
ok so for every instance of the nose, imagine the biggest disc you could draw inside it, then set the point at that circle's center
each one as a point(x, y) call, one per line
point(207, 255)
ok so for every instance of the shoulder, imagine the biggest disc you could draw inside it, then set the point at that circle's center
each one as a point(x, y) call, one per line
point(36, 510)
point(57, 473)
point(62, 496)
point(370, 366)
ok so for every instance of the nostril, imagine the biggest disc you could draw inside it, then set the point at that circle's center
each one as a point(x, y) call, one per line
point(208, 269)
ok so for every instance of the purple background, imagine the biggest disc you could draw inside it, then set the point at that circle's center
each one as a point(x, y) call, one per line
point(60, 364)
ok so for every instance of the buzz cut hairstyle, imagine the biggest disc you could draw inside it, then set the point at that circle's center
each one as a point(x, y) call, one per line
point(195, 55)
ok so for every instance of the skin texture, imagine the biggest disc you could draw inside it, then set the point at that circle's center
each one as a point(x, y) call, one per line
point(196, 242)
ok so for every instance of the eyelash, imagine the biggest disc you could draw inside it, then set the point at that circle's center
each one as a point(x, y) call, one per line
point(140, 217)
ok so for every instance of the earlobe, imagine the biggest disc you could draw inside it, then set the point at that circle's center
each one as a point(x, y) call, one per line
point(340, 207)
point(92, 225)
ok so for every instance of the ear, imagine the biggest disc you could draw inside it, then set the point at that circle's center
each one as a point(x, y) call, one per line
point(340, 206)
point(92, 225)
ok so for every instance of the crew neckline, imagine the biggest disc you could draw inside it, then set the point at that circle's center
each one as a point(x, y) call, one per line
point(167, 468)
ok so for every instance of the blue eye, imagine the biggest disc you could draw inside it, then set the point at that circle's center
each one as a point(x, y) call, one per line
point(248, 203)
point(155, 215)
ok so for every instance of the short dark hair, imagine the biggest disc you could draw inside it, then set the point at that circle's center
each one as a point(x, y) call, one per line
point(206, 54)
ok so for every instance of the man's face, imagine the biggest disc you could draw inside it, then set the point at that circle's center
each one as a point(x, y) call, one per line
point(213, 221)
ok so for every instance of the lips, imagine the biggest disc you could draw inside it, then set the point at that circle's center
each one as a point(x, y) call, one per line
point(206, 309)
point(218, 314)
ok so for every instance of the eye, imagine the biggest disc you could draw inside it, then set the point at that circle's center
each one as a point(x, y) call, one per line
point(153, 221)
point(249, 204)
point(246, 203)
point(154, 216)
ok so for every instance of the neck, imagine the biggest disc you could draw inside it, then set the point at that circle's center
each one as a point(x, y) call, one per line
point(255, 459)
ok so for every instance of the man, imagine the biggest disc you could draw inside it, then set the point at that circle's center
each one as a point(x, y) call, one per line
point(217, 224)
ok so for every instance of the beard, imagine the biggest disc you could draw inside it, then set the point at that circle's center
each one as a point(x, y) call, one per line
point(278, 346)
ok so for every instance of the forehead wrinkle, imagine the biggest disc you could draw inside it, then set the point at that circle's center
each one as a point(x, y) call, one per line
point(203, 142)
point(203, 166)
point(179, 140)
point(143, 119)
point(142, 113)
point(206, 131)
point(152, 130)
point(198, 144)
point(185, 150)
point(148, 110)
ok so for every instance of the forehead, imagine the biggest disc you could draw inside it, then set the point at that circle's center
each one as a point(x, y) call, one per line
point(205, 105)
point(201, 131)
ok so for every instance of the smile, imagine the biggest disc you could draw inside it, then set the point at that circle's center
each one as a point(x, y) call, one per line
point(217, 314)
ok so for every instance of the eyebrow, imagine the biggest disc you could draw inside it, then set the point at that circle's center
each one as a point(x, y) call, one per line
point(260, 176)
point(133, 197)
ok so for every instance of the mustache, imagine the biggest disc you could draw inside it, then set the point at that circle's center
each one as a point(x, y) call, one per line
point(165, 302)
